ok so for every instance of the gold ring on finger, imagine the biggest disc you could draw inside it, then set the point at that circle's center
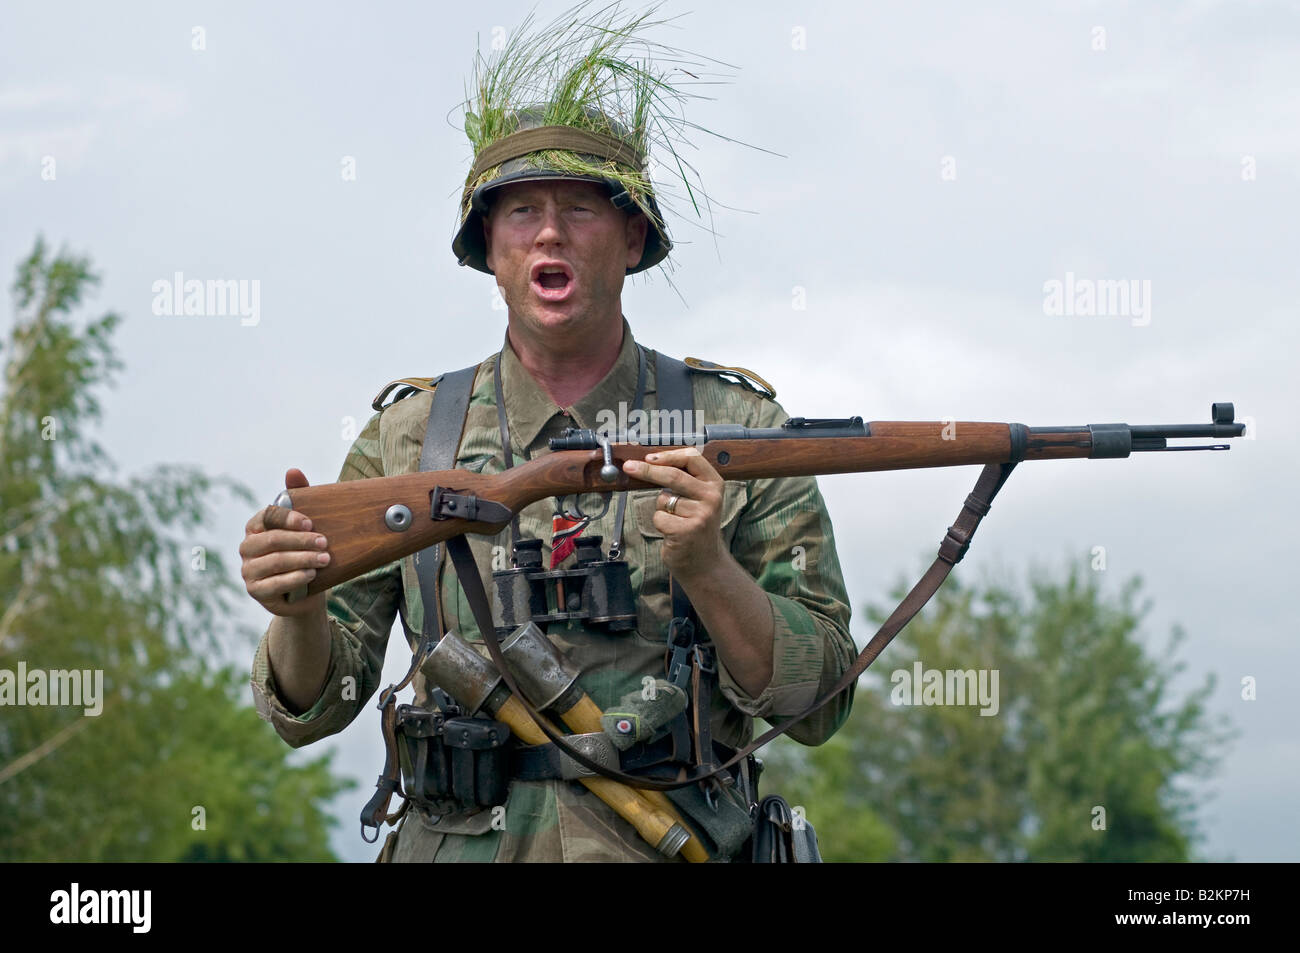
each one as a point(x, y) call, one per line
point(671, 508)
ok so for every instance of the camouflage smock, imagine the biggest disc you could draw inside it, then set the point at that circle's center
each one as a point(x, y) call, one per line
point(770, 526)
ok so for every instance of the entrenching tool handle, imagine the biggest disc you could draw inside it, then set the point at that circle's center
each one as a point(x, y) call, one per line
point(550, 682)
point(585, 716)
point(654, 826)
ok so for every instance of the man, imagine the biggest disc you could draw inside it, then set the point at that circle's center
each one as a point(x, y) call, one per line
point(756, 560)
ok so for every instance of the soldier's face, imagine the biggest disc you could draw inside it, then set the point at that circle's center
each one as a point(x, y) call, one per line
point(560, 250)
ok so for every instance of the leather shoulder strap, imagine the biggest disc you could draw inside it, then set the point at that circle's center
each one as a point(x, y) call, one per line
point(442, 433)
point(673, 384)
point(441, 440)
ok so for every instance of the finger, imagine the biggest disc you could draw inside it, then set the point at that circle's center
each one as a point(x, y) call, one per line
point(295, 479)
point(279, 540)
point(266, 518)
point(274, 587)
point(278, 517)
point(672, 524)
point(275, 564)
point(689, 459)
point(267, 544)
point(679, 481)
point(688, 516)
point(256, 523)
point(684, 507)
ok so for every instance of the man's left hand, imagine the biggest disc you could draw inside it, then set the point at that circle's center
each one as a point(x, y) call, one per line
point(693, 531)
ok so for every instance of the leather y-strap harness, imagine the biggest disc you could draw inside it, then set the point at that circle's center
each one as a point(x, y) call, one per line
point(441, 440)
point(672, 383)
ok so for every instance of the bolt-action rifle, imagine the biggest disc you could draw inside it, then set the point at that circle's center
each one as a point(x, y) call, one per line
point(370, 523)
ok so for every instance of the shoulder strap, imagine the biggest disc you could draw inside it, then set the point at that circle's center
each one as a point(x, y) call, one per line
point(408, 385)
point(673, 384)
point(451, 393)
point(690, 664)
point(741, 375)
point(441, 440)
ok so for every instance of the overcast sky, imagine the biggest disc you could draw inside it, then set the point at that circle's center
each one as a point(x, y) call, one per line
point(941, 164)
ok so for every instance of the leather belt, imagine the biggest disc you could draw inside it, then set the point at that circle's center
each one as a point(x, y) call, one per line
point(652, 759)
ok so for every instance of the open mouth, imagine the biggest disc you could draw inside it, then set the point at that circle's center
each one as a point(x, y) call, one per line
point(552, 281)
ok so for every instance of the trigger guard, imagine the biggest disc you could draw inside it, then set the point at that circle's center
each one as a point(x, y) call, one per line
point(577, 513)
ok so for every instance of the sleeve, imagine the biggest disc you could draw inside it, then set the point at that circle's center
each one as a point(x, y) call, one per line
point(360, 615)
point(784, 540)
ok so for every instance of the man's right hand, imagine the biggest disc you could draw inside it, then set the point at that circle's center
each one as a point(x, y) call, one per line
point(280, 553)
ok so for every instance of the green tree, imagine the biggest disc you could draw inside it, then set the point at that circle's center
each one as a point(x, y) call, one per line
point(107, 576)
point(1089, 755)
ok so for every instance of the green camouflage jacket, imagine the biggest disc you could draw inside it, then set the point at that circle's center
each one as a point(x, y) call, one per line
point(778, 530)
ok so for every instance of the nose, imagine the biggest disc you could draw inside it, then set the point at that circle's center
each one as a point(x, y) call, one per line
point(551, 231)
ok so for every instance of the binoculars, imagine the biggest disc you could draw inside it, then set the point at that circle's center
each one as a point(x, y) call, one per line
point(598, 591)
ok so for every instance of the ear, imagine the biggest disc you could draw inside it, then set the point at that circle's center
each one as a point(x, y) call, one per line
point(637, 226)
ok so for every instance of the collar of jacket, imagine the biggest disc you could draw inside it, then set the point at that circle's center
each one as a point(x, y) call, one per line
point(529, 408)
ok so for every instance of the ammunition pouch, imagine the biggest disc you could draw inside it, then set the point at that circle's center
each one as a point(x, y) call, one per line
point(720, 813)
point(782, 836)
point(452, 764)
